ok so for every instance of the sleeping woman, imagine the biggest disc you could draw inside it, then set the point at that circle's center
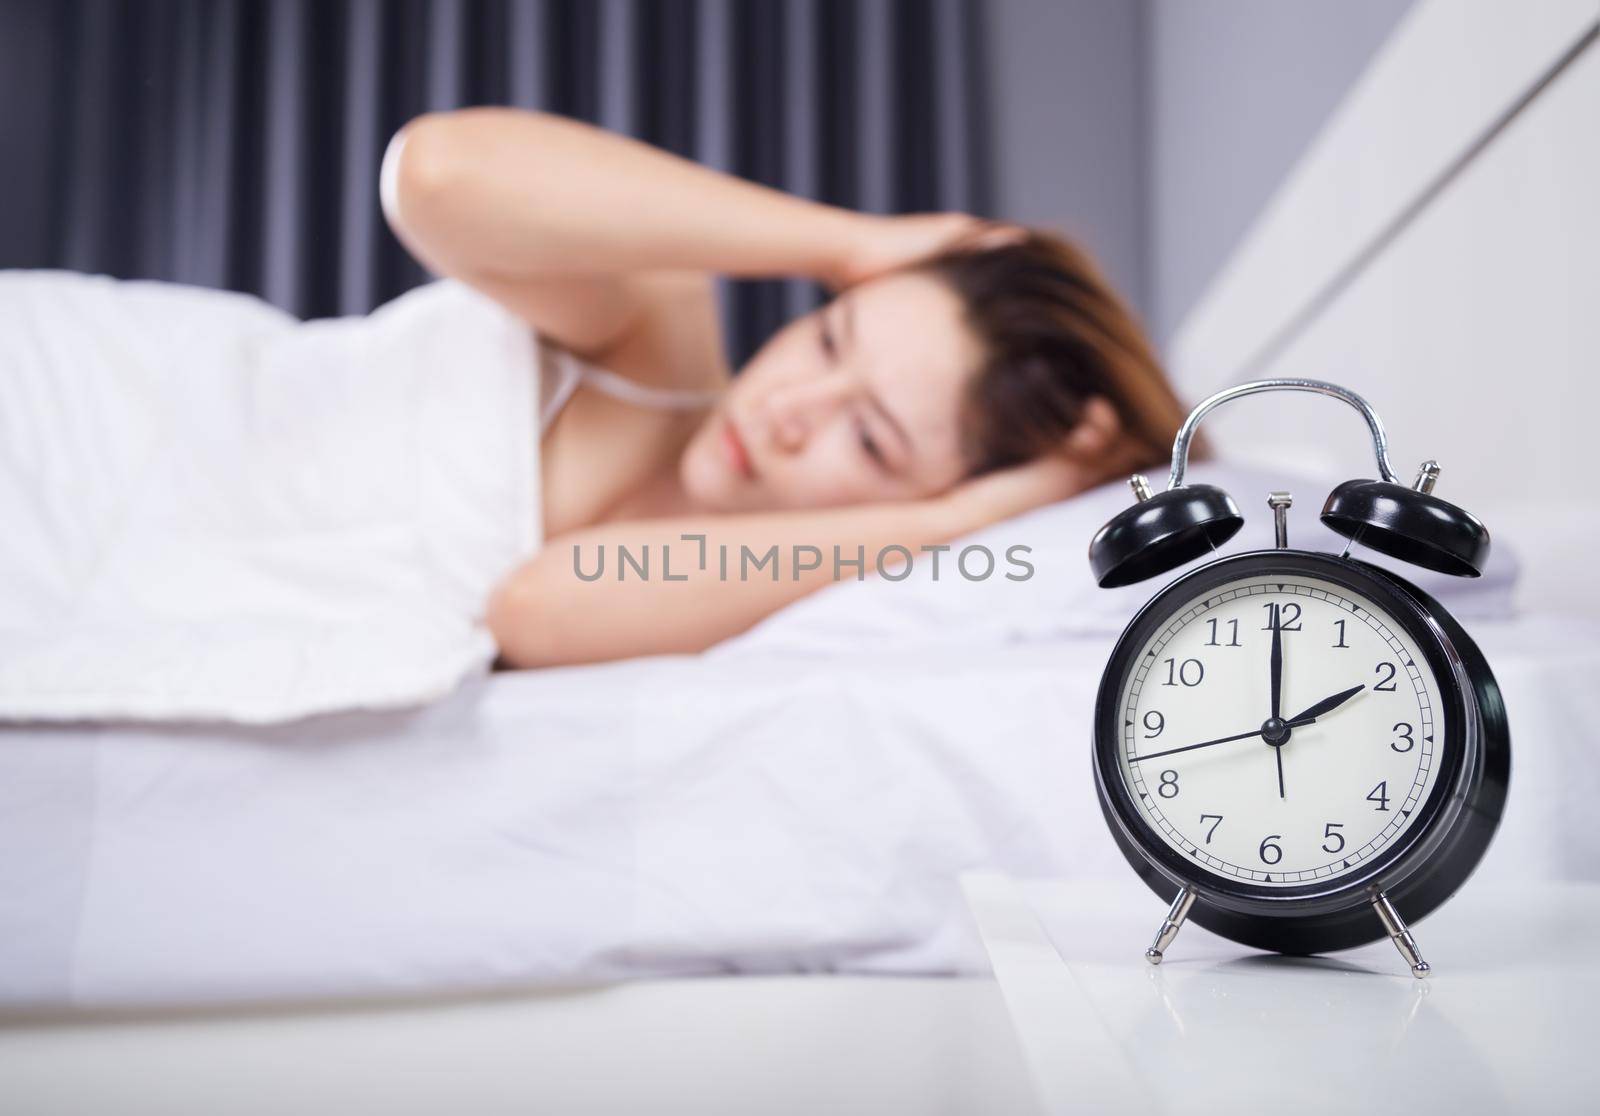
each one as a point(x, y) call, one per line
point(963, 373)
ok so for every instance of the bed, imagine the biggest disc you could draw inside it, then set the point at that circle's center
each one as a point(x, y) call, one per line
point(764, 813)
point(440, 907)
point(801, 799)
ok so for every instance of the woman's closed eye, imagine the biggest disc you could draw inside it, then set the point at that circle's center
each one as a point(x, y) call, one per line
point(869, 445)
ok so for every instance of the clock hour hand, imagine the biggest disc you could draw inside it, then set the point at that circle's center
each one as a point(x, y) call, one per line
point(1327, 705)
point(1309, 717)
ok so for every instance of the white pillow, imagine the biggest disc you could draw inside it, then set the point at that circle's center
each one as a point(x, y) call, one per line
point(1060, 599)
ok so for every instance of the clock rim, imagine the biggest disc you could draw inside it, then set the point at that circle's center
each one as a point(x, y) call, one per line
point(1144, 848)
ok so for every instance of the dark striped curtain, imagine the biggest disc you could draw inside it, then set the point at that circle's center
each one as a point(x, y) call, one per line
point(235, 143)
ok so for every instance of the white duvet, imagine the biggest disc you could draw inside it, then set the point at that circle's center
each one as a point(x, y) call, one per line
point(209, 509)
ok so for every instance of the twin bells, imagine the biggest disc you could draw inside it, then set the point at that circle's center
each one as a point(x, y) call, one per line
point(1163, 530)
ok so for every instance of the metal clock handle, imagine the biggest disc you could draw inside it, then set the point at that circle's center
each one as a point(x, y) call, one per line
point(1180, 445)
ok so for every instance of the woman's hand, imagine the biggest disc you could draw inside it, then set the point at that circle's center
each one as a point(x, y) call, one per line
point(887, 244)
point(1009, 492)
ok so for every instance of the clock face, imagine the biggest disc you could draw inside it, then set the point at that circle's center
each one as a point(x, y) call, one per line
point(1320, 790)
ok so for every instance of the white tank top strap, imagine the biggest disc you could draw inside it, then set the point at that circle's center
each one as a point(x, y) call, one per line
point(562, 374)
point(559, 375)
point(630, 391)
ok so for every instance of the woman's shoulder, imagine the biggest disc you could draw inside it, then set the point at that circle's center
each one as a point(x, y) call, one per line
point(677, 344)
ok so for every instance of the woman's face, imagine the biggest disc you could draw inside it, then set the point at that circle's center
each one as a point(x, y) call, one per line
point(856, 402)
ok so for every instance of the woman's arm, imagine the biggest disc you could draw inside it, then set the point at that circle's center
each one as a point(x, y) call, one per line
point(544, 614)
point(506, 191)
point(585, 233)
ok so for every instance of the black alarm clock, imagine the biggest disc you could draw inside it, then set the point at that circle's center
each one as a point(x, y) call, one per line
point(1301, 751)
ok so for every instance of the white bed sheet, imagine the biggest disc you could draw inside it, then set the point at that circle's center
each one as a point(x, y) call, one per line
point(749, 813)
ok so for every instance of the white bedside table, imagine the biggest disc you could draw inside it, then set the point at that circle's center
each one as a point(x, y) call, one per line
point(1507, 1022)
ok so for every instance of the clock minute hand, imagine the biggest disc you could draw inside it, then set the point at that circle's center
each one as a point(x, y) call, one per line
point(1277, 662)
point(1277, 685)
point(1327, 705)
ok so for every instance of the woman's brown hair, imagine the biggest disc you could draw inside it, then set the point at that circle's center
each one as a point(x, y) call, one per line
point(1054, 335)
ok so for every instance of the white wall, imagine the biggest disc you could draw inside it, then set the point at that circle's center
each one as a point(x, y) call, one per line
point(1237, 90)
point(1066, 80)
point(1476, 335)
point(1154, 130)
point(1435, 250)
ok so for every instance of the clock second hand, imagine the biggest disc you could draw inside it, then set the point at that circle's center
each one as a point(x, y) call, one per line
point(1309, 717)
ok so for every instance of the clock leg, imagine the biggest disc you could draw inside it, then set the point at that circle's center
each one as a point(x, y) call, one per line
point(1170, 925)
point(1400, 935)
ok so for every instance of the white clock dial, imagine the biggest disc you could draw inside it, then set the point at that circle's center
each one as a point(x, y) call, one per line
point(1351, 783)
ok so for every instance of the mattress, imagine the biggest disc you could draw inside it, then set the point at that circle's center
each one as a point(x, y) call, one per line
point(712, 814)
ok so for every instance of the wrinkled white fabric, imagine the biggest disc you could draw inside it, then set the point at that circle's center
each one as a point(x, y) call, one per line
point(749, 813)
point(212, 510)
